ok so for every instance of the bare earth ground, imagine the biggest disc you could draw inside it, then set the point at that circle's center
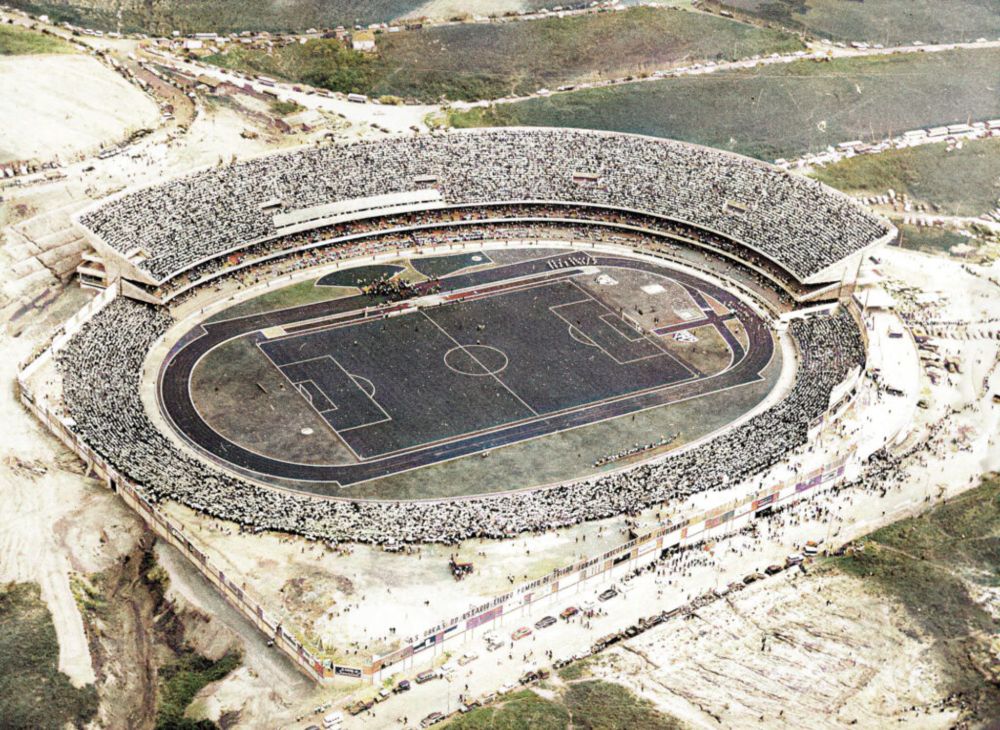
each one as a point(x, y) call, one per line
point(65, 104)
point(84, 547)
point(833, 653)
point(452, 8)
point(58, 529)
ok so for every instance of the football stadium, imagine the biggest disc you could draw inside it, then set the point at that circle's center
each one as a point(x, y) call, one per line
point(474, 335)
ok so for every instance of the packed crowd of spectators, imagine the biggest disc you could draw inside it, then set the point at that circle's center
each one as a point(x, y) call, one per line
point(795, 221)
point(269, 269)
point(415, 229)
point(102, 365)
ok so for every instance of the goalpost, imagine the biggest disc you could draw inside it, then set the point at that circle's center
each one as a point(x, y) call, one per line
point(633, 322)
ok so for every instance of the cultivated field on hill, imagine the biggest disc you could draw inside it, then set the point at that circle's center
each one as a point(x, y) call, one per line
point(488, 61)
point(781, 110)
point(962, 181)
point(16, 40)
point(448, 9)
point(890, 22)
point(66, 103)
point(33, 692)
point(223, 16)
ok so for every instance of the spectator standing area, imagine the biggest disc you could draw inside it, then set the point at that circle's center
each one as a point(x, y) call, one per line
point(497, 356)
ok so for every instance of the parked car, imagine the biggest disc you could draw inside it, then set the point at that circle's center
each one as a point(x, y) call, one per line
point(544, 623)
point(774, 569)
point(534, 675)
point(432, 719)
point(607, 595)
point(357, 708)
point(520, 633)
point(333, 720)
point(651, 621)
point(569, 613)
point(403, 686)
point(467, 658)
point(426, 676)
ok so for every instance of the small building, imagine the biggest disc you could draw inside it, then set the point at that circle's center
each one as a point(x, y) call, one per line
point(363, 40)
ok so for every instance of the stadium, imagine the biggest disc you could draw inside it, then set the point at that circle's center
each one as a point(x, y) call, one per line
point(477, 334)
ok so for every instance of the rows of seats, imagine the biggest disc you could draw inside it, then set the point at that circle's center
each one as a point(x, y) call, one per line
point(347, 237)
point(258, 264)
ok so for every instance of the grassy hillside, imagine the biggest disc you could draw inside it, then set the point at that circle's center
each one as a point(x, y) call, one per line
point(182, 679)
point(490, 61)
point(470, 62)
point(323, 63)
point(960, 182)
point(936, 564)
point(781, 110)
point(33, 692)
point(891, 22)
point(16, 40)
point(160, 17)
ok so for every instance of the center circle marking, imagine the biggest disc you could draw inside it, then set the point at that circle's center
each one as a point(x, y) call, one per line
point(476, 360)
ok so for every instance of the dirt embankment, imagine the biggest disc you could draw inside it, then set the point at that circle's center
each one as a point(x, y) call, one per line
point(135, 628)
point(119, 630)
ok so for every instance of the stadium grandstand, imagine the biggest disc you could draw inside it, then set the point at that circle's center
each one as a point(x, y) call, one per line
point(798, 226)
point(792, 239)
